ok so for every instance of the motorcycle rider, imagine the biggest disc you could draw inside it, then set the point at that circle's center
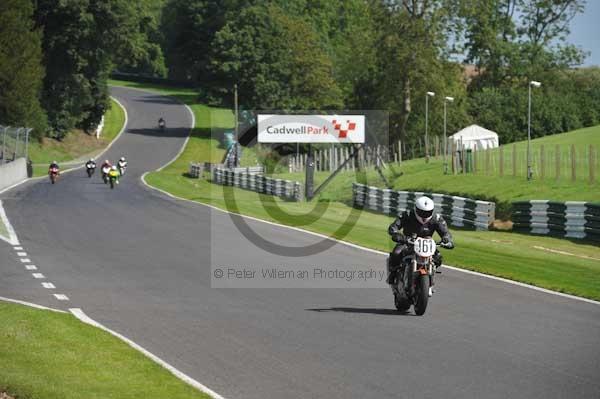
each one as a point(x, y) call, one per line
point(114, 174)
point(161, 122)
point(122, 165)
point(91, 164)
point(423, 222)
point(54, 168)
point(105, 168)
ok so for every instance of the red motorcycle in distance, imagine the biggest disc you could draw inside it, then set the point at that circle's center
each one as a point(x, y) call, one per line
point(53, 173)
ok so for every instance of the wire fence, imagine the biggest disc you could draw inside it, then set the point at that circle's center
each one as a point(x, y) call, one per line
point(15, 143)
point(559, 162)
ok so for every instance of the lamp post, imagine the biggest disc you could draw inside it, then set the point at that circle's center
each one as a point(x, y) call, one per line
point(446, 100)
point(429, 94)
point(535, 84)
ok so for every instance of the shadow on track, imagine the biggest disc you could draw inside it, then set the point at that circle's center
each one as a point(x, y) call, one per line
point(156, 132)
point(393, 312)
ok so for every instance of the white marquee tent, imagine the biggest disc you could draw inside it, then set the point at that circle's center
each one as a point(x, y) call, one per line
point(475, 137)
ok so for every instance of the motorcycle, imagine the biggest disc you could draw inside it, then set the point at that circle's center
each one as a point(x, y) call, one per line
point(53, 174)
point(413, 286)
point(105, 170)
point(122, 169)
point(162, 124)
point(113, 180)
point(90, 170)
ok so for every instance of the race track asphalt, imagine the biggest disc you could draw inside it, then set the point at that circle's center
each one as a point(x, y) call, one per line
point(139, 262)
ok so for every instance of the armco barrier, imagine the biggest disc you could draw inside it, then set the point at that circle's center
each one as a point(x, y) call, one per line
point(458, 211)
point(286, 189)
point(12, 172)
point(571, 219)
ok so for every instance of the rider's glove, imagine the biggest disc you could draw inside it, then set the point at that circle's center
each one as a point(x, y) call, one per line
point(399, 238)
point(447, 244)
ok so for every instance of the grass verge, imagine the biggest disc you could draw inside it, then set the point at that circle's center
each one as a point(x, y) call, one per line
point(503, 254)
point(55, 356)
point(77, 144)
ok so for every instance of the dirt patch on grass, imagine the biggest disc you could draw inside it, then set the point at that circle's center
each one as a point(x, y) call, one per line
point(502, 225)
point(74, 142)
point(4, 395)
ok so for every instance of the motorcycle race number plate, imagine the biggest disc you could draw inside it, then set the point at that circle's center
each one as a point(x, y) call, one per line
point(424, 247)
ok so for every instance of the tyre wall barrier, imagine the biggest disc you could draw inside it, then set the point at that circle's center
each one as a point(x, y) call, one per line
point(458, 211)
point(12, 172)
point(286, 189)
point(571, 219)
point(197, 169)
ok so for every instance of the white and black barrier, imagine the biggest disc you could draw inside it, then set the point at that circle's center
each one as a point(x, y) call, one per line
point(458, 211)
point(197, 169)
point(570, 219)
point(286, 189)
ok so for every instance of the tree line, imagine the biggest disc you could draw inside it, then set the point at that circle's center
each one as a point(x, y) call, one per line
point(310, 55)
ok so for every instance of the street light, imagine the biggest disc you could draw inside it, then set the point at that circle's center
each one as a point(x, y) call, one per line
point(535, 84)
point(429, 94)
point(446, 100)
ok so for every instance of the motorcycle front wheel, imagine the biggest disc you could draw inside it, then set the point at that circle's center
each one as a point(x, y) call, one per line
point(422, 295)
point(401, 302)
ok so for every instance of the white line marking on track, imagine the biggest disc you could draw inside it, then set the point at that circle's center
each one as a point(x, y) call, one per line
point(50, 286)
point(12, 236)
point(32, 305)
point(21, 253)
point(187, 379)
point(31, 267)
point(38, 275)
point(18, 248)
point(61, 297)
point(25, 260)
point(374, 251)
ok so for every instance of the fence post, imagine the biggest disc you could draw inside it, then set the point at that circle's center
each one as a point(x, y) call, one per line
point(573, 163)
point(514, 160)
point(464, 159)
point(557, 160)
point(501, 161)
point(542, 162)
point(4, 144)
point(592, 165)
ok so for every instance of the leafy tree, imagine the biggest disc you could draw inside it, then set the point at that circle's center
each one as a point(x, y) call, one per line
point(142, 53)
point(276, 60)
point(82, 39)
point(21, 70)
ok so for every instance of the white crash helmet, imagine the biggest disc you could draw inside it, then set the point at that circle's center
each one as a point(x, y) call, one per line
point(114, 167)
point(122, 159)
point(424, 209)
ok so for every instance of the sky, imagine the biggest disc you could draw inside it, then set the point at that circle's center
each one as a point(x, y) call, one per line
point(585, 32)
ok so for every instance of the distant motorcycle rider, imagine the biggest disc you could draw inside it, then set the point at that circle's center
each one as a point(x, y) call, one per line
point(90, 167)
point(161, 122)
point(422, 221)
point(122, 165)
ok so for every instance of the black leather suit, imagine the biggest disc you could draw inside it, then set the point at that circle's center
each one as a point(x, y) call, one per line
point(407, 225)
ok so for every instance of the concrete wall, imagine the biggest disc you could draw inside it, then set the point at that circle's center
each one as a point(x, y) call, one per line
point(12, 173)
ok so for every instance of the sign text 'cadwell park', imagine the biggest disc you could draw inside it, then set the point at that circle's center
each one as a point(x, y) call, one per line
point(311, 128)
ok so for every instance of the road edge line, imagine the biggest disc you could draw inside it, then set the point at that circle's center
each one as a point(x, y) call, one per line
point(79, 314)
point(360, 247)
point(31, 304)
point(12, 234)
point(349, 244)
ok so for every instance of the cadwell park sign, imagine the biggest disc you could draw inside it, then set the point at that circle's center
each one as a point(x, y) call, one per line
point(339, 129)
